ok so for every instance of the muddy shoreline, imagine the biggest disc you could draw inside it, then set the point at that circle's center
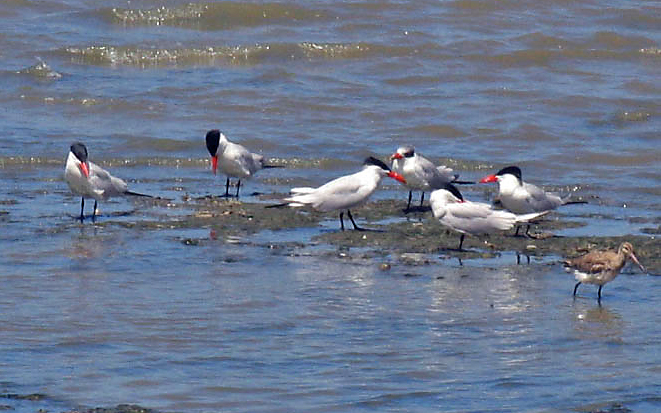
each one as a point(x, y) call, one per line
point(392, 234)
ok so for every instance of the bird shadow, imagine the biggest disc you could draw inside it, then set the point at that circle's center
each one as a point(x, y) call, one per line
point(212, 197)
point(361, 229)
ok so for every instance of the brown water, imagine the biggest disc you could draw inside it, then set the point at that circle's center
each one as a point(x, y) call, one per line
point(277, 320)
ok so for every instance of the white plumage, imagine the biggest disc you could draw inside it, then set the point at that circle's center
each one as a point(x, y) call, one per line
point(474, 218)
point(345, 192)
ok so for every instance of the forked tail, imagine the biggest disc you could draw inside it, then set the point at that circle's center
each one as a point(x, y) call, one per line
point(278, 205)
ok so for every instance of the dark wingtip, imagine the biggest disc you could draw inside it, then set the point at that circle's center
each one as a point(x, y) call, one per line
point(373, 161)
point(453, 190)
point(284, 204)
point(213, 140)
point(512, 170)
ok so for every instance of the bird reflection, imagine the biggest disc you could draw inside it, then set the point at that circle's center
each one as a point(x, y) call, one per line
point(597, 323)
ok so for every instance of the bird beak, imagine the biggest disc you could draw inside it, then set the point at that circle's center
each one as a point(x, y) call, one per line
point(214, 163)
point(488, 179)
point(84, 169)
point(395, 156)
point(634, 259)
point(395, 175)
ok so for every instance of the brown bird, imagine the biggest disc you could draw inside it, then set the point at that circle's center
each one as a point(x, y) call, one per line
point(601, 267)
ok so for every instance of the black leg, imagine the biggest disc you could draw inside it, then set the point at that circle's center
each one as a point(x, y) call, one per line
point(461, 242)
point(238, 185)
point(599, 294)
point(82, 208)
point(516, 234)
point(576, 287)
point(227, 187)
point(94, 212)
point(528, 231)
point(342, 220)
point(408, 205)
point(356, 227)
point(422, 198)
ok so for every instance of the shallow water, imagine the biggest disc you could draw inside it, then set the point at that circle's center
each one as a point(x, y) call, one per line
point(140, 309)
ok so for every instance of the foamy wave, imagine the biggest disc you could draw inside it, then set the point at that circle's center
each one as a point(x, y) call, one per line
point(41, 70)
point(651, 51)
point(334, 50)
point(224, 55)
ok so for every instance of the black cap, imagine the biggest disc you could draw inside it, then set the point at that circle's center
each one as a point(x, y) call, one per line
point(80, 151)
point(373, 161)
point(213, 140)
point(512, 170)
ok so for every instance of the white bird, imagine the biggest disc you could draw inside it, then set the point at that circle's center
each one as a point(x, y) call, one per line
point(466, 217)
point(234, 160)
point(89, 180)
point(420, 173)
point(345, 192)
point(521, 197)
point(601, 267)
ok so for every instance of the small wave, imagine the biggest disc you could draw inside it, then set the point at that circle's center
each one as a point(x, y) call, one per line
point(633, 116)
point(135, 56)
point(476, 5)
point(538, 40)
point(616, 41)
point(223, 55)
point(213, 16)
point(18, 162)
point(545, 58)
point(651, 51)
point(436, 130)
point(40, 70)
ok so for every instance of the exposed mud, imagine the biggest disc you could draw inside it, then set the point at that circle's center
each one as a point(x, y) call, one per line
point(390, 232)
point(43, 403)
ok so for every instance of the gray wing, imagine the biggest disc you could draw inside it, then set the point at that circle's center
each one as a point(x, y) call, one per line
point(540, 199)
point(245, 162)
point(104, 184)
point(436, 177)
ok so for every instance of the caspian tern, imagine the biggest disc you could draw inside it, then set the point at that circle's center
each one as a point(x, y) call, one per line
point(344, 193)
point(420, 173)
point(601, 267)
point(89, 180)
point(466, 217)
point(521, 197)
point(234, 160)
